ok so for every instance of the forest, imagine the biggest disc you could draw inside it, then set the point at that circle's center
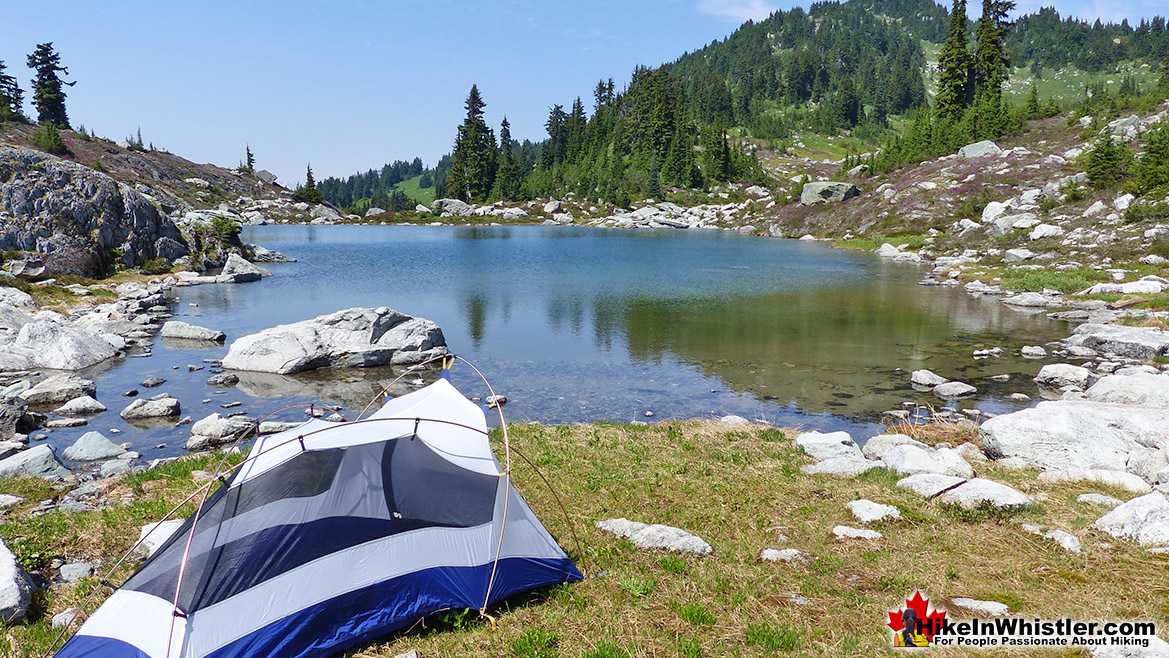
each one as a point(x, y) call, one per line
point(857, 68)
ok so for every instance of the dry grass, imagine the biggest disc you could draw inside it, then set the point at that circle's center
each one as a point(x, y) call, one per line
point(734, 487)
point(940, 431)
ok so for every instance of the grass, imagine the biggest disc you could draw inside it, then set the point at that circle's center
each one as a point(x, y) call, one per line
point(423, 195)
point(1066, 281)
point(644, 603)
point(872, 242)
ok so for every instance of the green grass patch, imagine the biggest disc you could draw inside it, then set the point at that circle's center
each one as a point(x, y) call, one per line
point(874, 242)
point(423, 195)
point(1066, 281)
point(776, 638)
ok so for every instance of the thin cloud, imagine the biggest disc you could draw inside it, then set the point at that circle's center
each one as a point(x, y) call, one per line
point(737, 10)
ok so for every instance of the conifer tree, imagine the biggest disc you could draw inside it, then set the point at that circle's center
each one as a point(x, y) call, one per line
point(1163, 83)
point(991, 66)
point(1106, 162)
point(250, 159)
point(1033, 102)
point(48, 90)
point(472, 173)
point(308, 192)
point(954, 65)
point(11, 96)
point(507, 177)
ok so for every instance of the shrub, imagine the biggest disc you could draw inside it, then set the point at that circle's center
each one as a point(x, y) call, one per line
point(96, 165)
point(1107, 162)
point(156, 266)
point(1142, 212)
point(48, 139)
point(227, 228)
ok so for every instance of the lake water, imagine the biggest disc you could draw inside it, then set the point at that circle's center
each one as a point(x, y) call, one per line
point(577, 324)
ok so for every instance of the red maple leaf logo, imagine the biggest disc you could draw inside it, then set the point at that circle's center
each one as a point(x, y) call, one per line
point(931, 620)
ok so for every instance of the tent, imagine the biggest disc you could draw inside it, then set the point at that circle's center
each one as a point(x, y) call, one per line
point(333, 534)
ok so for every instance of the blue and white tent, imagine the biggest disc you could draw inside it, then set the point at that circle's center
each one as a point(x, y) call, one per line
point(333, 534)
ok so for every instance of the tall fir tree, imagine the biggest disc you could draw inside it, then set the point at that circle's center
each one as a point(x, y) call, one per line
point(250, 159)
point(48, 90)
point(11, 96)
point(308, 192)
point(1163, 83)
point(991, 66)
point(954, 65)
point(507, 176)
point(472, 173)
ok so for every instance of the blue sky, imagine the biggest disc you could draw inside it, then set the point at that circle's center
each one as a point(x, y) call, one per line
point(351, 85)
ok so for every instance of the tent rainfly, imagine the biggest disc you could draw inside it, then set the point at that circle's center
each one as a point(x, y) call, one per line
point(333, 534)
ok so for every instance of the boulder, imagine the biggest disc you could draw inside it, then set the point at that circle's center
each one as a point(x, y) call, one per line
point(153, 535)
point(59, 389)
point(63, 619)
point(1017, 255)
point(16, 297)
point(1132, 342)
point(828, 446)
point(1144, 520)
point(38, 461)
point(223, 380)
point(92, 446)
point(876, 447)
point(184, 331)
point(952, 390)
point(842, 466)
point(452, 208)
point(1118, 479)
point(979, 149)
point(655, 536)
point(1045, 231)
point(815, 194)
point(1059, 375)
point(782, 555)
point(265, 255)
point(276, 426)
point(1099, 499)
point(929, 484)
point(994, 210)
point(56, 345)
point(552, 207)
point(12, 411)
point(82, 406)
point(357, 337)
point(845, 532)
point(981, 608)
point(1142, 389)
point(926, 378)
point(216, 430)
point(1076, 434)
point(375, 211)
point(238, 270)
point(15, 588)
point(157, 407)
point(972, 493)
point(866, 511)
point(1033, 352)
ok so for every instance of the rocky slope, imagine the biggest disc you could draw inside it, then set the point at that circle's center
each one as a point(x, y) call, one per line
point(104, 206)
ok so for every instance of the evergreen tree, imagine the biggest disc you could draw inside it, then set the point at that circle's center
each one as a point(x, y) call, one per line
point(249, 159)
point(679, 166)
point(507, 178)
point(991, 66)
point(850, 102)
point(308, 192)
point(1107, 162)
point(954, 65)
point(1032, 108)
point(48, 139)
point(1163, 83)
point(1151, 171)
point(472, 173)
point(11, 97)
point(48, 90)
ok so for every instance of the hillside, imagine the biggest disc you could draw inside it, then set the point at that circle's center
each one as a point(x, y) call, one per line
point(103, 206)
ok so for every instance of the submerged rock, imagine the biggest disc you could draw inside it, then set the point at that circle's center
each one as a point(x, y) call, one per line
point(357, 337)
point(92, 446)
point(185, 331)
point(156, 407)
point(82, 406)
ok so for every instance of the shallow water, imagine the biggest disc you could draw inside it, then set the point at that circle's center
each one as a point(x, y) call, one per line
point(577, 324)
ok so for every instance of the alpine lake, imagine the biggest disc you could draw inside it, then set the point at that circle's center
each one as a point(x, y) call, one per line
point(578, 324)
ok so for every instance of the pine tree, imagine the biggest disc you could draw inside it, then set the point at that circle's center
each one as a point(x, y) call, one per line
point(1151, 171)
point(507, 177)
point(250, 159)
point(11, 97)
point(1033, 103)
point(1107, 162)
point(1163, 83)
point(954, 65)
point(308, 192)
point(991, 66)
point(48, 90)
point(472, 173)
